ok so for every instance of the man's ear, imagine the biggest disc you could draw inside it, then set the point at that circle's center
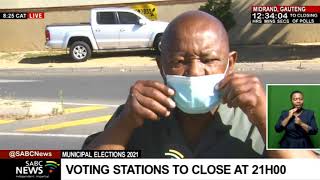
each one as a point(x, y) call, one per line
point(233, 57)
point(158, 59)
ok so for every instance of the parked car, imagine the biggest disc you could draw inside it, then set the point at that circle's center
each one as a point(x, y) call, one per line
point(109, 29)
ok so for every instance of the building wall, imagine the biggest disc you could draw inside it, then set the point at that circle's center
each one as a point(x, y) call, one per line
point(21, 35)
point(246, 33)
point(27, 4)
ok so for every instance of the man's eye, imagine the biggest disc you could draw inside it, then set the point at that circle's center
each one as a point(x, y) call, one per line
point(178, 62)
point(210, 60)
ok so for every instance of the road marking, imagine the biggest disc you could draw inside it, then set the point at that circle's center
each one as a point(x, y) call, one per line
point(6, 121)
point(83, 109)
point(90, 104)
point(81, 104)
point(43, 135)
point(67, 124)
point(16, 81)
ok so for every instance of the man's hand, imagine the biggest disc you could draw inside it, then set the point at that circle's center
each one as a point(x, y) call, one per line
point(245, 91)
point(147, 100)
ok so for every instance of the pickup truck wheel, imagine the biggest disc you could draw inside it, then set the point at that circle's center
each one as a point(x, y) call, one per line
point(157, 44)
point(80, 51)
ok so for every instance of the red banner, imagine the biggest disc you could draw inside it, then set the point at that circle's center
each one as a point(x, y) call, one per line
point(30, 154)
point(289, 9)
point(35, 15)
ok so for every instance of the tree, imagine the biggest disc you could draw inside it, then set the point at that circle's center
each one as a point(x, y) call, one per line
point(221, 10)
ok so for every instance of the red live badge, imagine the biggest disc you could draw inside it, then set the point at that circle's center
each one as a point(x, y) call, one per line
point(35, 15)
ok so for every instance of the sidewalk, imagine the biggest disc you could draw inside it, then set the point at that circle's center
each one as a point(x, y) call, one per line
point(17, 109)
point(284, 57)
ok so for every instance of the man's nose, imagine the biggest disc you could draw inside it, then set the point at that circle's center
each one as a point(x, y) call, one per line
point(194, 68)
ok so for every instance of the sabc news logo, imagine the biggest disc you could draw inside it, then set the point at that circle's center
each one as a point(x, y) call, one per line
point(52, 165)
point(37, 169)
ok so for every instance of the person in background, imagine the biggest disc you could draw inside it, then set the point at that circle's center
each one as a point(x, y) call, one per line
point(298, 124)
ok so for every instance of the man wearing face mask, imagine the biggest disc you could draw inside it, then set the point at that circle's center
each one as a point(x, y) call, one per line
point(203, 109)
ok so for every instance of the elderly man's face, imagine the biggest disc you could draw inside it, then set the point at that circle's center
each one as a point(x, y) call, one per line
point(195, 55)
point(201, 49)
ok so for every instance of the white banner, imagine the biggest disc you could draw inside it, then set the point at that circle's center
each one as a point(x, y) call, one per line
point(92, 169)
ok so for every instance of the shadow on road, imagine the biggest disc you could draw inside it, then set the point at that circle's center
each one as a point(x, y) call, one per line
point(65, 58)
point(62, 58)
point(145, 53)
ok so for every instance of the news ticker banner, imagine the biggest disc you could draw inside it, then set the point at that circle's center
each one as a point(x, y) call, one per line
point(22, 15)
point(47, 164)
point(98, 165)
point(285, 14)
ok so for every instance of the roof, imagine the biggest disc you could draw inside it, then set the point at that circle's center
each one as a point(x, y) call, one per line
point(9, 4)
point(112, 9)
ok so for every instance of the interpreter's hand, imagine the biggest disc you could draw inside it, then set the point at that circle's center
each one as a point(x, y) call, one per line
point(147, 100)
point(291, 112)
point(246, 92)
point(297, 120)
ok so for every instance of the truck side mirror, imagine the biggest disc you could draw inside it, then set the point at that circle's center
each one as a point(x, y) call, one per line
point(142, 22)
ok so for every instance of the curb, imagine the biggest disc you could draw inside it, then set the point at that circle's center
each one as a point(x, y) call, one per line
point(277, 66)
point(82, 69)
point(16, 109)
point(261, 66)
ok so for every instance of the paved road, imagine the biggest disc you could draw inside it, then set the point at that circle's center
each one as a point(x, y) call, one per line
point(106, 88)
point(90, 96)
point(98, 88)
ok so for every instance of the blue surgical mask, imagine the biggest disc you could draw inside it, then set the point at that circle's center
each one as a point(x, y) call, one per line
point(196, 94)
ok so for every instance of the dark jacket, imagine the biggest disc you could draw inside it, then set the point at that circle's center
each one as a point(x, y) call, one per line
point(295, 136)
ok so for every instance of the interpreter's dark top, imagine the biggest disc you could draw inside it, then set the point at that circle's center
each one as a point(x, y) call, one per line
point(295, 136)
point(229, 135)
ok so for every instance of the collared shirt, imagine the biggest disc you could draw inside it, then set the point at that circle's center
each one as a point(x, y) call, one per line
point(229, 135)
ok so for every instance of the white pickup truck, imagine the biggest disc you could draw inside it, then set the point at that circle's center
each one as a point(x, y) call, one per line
point(110, 29)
